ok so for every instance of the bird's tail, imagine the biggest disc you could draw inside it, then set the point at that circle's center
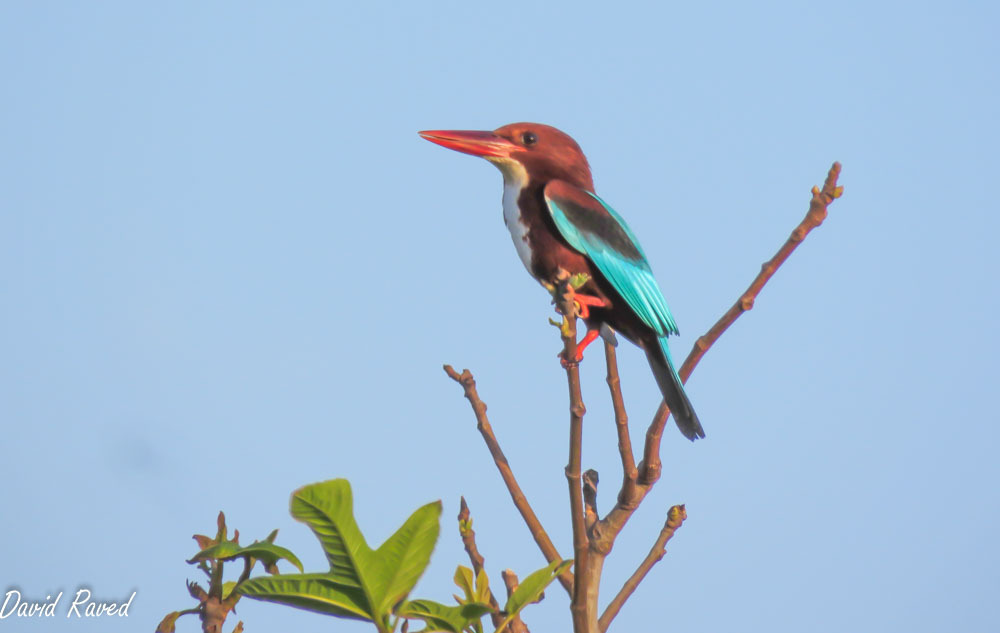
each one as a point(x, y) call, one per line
point(670, 385)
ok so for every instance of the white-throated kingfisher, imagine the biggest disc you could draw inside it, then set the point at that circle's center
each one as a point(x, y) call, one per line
point(557, 221)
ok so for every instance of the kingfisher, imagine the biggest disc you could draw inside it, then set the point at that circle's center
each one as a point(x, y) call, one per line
point(557, 221)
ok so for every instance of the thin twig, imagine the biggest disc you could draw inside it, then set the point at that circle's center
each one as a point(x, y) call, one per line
point(629, 472)
point(541, 537)
point(649, 469)
point(821, 199)
point(675, 517)
point(469, 541)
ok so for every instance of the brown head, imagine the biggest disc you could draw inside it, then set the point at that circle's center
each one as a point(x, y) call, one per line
point(541, 152)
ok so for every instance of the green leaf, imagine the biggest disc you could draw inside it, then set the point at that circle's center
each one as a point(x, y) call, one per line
point(405, 555)
point(531, 589)
point(441, 617)
point(268, 553)
point(362, 583)
point(327, 508)
point(314, 592)
point(482, 586)
point(463, 578)
point(475, 610)
point(384, 576)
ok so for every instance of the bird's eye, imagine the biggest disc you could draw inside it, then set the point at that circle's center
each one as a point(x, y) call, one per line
point(529, 138)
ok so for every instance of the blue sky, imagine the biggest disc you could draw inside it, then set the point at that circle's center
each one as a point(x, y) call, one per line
point(229, 267)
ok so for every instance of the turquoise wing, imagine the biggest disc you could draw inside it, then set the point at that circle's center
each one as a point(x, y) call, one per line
point(594, 229)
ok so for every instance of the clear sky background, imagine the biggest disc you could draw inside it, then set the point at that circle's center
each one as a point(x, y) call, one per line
point(230, 267)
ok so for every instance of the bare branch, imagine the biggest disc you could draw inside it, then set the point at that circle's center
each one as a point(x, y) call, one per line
point(675, 517)
point(565, 303)
point(604, 533)
point(469, 537)
point(821, 199)
point(649, 469)
point(541, 537)
point(629, 472)
point(586, 571)
point(469, 541)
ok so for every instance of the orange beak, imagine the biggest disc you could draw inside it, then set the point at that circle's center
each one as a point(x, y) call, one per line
point(483, 144)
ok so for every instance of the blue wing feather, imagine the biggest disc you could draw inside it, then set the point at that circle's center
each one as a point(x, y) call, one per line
point(624, 266)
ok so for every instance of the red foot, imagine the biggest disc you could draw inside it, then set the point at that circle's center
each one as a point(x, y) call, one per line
point(582, 345)
point(586, 300)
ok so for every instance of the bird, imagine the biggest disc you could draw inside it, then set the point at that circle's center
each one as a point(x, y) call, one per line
point(557, 221)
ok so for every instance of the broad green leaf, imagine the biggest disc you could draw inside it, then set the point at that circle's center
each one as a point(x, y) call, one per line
point(314, 592)
point(328, 509)
point(531, 588)
point(266, 552)
point(404, 556)
point(386, 575)
point(441, 617)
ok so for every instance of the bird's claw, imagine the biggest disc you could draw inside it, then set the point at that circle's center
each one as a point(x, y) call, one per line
point(578, 349)
point(566, 364)
point(582, 304)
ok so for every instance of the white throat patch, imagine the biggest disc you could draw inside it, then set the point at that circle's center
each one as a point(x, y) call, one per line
point(515, 178)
